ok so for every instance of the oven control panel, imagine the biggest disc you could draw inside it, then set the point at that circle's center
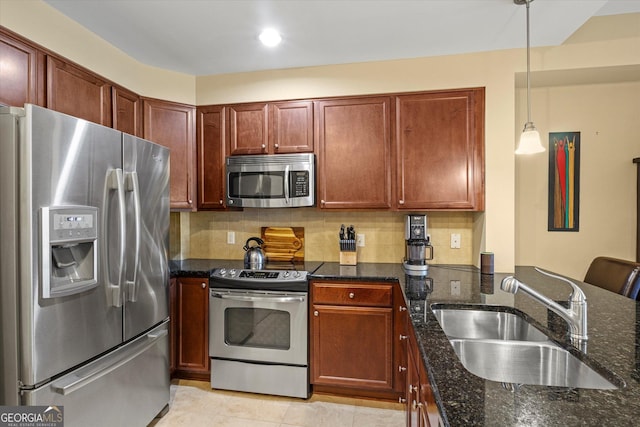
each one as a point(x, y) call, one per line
point(272, 276)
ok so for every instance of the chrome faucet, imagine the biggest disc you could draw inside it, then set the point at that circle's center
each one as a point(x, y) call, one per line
point(575, 315)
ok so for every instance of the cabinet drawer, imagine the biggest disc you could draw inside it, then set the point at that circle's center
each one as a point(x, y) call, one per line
point(376, 295)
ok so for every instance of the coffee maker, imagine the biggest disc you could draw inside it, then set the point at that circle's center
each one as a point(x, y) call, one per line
point(418, 246)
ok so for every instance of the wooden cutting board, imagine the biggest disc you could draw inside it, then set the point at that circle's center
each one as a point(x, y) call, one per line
point(283, 244)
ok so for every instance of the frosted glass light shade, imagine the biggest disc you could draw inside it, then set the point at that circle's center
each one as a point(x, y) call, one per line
point(270, 37)
point(530, 140)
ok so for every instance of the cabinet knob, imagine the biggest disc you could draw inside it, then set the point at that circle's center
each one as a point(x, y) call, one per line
point(416, 405)
point(412, 388)
point(402, 308)
point(204, 285)
point(401, 202)
point(322, 202)
point(401, 369)
point(277, 146)
point(351, 295)
point(402, 400)
point(190, 201)
point(221, 202)
point(403, 337)
point(315, 313)
point(264, 146)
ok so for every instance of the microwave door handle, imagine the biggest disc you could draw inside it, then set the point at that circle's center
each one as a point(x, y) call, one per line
point(286, 184)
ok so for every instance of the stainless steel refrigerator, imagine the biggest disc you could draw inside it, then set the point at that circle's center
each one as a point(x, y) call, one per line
point(84, 221)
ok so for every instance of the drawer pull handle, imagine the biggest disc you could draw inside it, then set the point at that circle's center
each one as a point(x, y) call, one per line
point(352, 295)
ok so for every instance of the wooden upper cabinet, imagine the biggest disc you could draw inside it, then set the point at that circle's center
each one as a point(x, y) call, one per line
point(291, 127)
point(271, 128)
point(22, 72)
point(248, 129)
point(173, 125)
point(75, 91)
point(440, 150)
point(353, 144)
point(127, 111)
point(210, 125)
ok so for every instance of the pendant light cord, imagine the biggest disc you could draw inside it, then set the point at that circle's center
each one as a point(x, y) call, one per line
point(528, 68)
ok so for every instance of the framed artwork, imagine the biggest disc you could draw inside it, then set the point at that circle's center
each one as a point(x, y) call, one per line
point(564, 181)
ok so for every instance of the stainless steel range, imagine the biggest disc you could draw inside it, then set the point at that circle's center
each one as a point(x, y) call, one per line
point(258, 329)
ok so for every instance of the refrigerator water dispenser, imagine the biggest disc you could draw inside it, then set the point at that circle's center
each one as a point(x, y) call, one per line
point(69, 260)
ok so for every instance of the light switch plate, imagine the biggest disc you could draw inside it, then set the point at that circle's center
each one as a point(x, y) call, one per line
point(455, 241)
point(231, 237)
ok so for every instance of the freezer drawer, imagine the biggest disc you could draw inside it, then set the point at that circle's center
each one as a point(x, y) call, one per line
point(128, 386)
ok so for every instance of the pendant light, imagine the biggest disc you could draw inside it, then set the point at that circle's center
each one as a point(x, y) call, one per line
point(530, 138)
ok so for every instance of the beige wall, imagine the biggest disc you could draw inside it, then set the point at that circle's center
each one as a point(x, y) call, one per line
point(612, 42)
point(605, 114)
point(44, 25)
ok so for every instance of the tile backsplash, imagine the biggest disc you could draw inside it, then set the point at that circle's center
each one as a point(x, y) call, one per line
point(204, 234)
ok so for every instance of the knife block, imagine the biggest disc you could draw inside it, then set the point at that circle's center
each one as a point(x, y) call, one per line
point(348, 258)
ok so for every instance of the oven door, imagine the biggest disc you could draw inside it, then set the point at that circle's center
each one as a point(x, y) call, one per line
point(258, 326)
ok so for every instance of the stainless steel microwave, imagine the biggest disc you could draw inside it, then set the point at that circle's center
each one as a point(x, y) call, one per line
point(271, 181)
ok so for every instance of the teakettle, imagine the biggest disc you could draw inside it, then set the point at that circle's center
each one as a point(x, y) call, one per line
point(254, 257)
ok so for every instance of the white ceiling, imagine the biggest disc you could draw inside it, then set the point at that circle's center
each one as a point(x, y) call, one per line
point(202, 37)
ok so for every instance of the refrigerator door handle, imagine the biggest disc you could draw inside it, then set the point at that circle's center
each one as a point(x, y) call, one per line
point(73, 383)
point(115, 182)
point(132, 186)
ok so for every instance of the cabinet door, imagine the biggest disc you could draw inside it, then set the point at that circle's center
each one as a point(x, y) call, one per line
point(21, 72)
point(428, 407)
point(440, 150)
point(77, 92)
point(291, 127)
point(414, 416)
point(127, 111)
point(173, 329)
point(173, 126)
point(400, 336)
point(352, 346)
point(210, 124)
point(248, 129)
point(354, 153)
point(192, 328)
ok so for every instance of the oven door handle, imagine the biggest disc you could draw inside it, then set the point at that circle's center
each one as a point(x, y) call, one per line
point(259, 298)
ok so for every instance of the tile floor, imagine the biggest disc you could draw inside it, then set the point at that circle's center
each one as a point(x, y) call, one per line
point(194, 403)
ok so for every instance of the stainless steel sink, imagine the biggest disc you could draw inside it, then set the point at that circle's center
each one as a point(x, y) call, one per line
point(522, 362)
point(503, 346)
point(482, 324)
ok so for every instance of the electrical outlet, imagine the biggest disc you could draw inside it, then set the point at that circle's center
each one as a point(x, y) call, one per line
point(360, 240)
point(231, 237)
point(455, 287)
point(455, 241)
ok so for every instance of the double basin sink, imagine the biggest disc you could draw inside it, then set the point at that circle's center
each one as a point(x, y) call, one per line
point(499, 344)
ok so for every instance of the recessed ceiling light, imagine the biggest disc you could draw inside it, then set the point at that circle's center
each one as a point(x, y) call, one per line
point(270, 37)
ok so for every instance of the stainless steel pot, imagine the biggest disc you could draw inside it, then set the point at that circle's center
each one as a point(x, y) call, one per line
point(254, 257)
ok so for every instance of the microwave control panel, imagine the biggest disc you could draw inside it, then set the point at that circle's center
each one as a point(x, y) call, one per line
point(299, 183)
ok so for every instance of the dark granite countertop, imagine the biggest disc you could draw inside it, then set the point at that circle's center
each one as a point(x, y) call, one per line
point(467, 400)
